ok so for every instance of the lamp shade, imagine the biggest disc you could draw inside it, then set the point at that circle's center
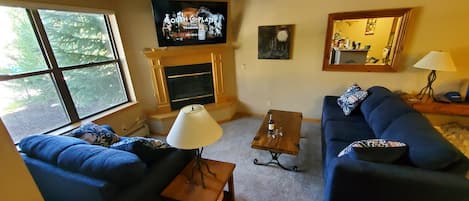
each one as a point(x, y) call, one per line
point(436, 60)
point(194, 128)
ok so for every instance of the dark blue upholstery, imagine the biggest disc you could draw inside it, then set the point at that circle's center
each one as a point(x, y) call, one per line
point(332, 149)
point(357, 131)
point(113, 165)
point(350, 179)
point(94, 173)
point(47, 147)
point(57, 184)
point(427, 148)
point(330, 111)
point(386, 112)
point(431, 170)
point(376, 95)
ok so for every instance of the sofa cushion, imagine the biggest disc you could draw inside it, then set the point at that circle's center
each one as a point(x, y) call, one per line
point(95, 134)
point(148, 150)
point(376, 94)
point(390, 109)
point(351, 98)
point(375, 150)
point(47, 147)
point(331, 111)
point(332, 150)
point(113, 165)
point(427, 148)
point(354, 131)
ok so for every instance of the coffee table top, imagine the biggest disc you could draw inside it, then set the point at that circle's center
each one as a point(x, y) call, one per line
point(290, 122)
point(181, 189)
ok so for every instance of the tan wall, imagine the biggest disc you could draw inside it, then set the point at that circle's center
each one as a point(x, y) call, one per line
point(299, 84)
point(16, 183)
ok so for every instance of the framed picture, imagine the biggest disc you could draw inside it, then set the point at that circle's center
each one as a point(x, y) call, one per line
point(274, 42)
point(370, 26)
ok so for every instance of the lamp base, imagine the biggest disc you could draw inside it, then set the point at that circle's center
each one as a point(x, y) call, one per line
point(198, 164)
point(428, 88)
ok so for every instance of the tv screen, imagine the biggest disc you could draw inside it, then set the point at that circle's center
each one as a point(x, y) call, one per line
point(190, 22)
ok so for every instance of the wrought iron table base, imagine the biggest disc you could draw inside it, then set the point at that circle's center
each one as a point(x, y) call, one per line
point(275, 161)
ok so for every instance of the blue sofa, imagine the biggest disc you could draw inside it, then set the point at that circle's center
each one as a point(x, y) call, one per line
point(431, 170)
point(68, 168)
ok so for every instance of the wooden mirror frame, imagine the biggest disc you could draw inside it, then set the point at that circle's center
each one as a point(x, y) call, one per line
point(392, 67)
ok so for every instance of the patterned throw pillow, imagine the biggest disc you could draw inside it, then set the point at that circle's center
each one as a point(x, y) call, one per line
point(351, 98)
point(375, 150)
point(148, 150)
point(95, 134)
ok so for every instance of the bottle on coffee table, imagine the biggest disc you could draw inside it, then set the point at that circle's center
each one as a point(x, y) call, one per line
point(271, 125)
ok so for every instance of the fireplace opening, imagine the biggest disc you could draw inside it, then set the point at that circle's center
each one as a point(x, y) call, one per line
point(189, 84)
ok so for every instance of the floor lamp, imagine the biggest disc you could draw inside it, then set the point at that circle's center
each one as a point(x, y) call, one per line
point(194, 128)
point(434, 61)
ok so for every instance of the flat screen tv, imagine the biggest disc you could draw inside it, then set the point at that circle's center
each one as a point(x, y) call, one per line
point(181, 23)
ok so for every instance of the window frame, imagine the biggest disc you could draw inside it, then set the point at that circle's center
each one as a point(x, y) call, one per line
point(56, 72)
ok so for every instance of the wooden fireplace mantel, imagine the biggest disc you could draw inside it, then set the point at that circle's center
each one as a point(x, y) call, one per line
point(173, 57)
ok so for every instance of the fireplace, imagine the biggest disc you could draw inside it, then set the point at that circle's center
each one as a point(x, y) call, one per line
point(186, 75)
point(189, 84)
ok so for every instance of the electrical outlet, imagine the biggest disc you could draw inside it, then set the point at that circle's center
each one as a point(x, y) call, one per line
point(269, 103)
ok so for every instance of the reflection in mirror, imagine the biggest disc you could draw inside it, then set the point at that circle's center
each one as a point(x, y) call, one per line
point(364, 41)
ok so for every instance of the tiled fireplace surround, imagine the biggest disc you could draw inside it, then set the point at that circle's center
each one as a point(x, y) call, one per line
point(161, 120)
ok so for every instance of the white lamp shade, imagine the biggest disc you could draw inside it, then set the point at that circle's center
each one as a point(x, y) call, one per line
point(194, 128)
point(436, 60)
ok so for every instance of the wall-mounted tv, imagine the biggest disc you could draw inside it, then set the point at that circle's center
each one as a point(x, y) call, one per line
point(181, 23)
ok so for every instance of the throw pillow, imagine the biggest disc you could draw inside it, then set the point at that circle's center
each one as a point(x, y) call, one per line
point(375, 150)
point(351, 98)
point(148, 149)
point(95, 134)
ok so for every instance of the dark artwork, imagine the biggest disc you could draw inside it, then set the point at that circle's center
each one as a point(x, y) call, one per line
point(274, 42)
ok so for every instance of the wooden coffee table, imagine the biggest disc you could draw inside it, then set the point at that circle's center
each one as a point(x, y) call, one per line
point(290, 125)
point(181, 189)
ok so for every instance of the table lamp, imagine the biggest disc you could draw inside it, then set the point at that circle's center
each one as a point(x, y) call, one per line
point(435, 61)
point(194, 128)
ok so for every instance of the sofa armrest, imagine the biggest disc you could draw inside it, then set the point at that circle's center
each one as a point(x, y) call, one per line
point(362, 180)
point(56, 184)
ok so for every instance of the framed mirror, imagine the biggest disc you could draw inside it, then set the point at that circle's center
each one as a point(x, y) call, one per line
point(366, 41)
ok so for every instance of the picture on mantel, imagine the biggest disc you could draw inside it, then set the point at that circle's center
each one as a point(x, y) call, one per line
point(274, 42)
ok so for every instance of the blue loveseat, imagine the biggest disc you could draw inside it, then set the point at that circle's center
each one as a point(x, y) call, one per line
point(431, 170)
point(70, 169)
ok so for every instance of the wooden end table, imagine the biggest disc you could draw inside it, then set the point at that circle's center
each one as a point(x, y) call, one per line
point(181, 189)
point(427, 105)
point(288, 143)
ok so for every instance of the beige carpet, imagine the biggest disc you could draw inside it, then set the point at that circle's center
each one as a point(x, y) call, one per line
point(457, 134)
point(262, 183)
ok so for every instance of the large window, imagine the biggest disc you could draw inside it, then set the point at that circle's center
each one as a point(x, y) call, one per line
point(56, 68)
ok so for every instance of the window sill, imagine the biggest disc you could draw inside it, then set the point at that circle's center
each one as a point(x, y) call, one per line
point(69, 128)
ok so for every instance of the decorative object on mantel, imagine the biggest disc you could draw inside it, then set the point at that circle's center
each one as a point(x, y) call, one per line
point(274, 42)
point(435, 60)
point(194, 128)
